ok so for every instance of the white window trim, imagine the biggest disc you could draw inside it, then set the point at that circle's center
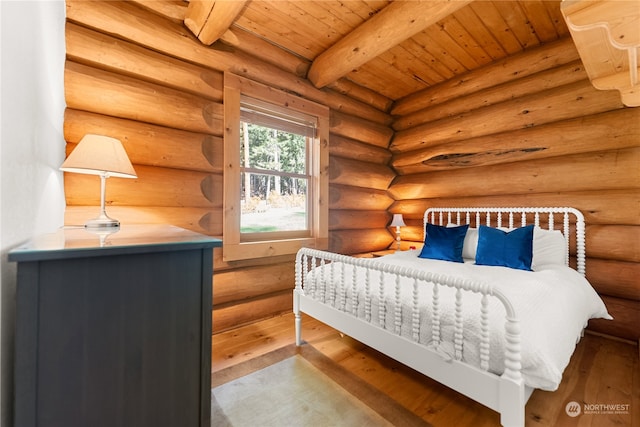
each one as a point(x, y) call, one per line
point(233, 249)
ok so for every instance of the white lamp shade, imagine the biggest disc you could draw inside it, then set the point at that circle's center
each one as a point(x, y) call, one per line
point(397, 221)
point(98, 154)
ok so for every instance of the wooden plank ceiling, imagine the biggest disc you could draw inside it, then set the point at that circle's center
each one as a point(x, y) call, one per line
point(475, 34)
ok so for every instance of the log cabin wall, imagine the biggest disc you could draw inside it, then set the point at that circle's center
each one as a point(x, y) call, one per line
point(530, 131)
point(136, 73)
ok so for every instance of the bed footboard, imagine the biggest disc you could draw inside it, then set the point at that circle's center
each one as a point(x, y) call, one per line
point(325, 289)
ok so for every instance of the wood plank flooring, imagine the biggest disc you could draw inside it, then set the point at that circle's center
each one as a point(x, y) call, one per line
point(602, 371)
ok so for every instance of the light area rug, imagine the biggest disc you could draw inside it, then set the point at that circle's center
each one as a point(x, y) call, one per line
point(300, 387)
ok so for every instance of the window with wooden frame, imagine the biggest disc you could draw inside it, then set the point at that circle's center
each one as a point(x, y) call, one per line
point(275, 179)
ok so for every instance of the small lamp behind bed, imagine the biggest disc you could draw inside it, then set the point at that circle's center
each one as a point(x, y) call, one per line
point(397, 222)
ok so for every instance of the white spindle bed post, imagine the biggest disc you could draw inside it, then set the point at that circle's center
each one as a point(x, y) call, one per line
point(296, 299)
point(512, 393)
point(435, 320)
point(397, 315)
point(458, 327)
point(415, 313)
point(343, 289)
point(333, 295)
point(354, 295)
point(322, 288)
point(382, 308)
point(565, 231)
point(367, 295)
point(580, 242)
point(484, 331)
point(311, 287)
point(512, 398)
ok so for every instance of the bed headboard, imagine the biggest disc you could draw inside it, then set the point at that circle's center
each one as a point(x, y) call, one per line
point(519, 217)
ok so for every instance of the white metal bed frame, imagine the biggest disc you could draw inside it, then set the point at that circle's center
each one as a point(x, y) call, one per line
point(506, 393)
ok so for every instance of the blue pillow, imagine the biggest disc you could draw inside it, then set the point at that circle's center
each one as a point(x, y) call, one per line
point(444, 243)
point(512, 249)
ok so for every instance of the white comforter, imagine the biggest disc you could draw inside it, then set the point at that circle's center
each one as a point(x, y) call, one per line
point(553, 305)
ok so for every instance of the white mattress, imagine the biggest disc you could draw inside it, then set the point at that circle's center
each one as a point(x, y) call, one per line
point(553, 304)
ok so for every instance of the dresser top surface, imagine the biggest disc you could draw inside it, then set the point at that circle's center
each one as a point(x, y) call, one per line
point(70, 242)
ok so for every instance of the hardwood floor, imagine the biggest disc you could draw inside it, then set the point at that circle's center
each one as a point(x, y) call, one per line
point(602, 372)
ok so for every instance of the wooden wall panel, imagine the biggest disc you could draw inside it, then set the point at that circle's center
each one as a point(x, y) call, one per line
point(357, 241)
point(201, 220)
point(625, 313)
point(615, 278)
point(352, 90)
point(358, 177)
point(240, 285)
point(353, 149)
point(565, 102)
point(348, 197)
point(235, 315)
point(256, 46)
point(581, 135)
point(526, 130)
point(355, 219)
point(555, 77)
point(245, 295)
point(103, 51)
point(135, 73)
point(596, 206)
point(605, 170)
point(148, 144)
point(614, 242)
point(130, 22)
point(98, 91)
point(563, 144)
point(360, 129)
point(506, 70)
point(153, 187)
point(359, 174)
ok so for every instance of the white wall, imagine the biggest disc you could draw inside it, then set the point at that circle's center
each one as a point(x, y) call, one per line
point(31, 147)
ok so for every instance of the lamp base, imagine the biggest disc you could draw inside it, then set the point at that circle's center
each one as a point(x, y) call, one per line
point(102, 222)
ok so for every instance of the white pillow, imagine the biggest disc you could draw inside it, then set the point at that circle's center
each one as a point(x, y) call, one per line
point(470, 245)
point(549, 246)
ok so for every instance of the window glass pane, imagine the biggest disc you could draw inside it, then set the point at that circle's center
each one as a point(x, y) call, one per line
point(271, 149)
point(274, 159)
point(273, 203)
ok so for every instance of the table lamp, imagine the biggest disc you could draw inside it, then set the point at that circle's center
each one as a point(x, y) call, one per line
point(103, 156)
point(397, 222)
